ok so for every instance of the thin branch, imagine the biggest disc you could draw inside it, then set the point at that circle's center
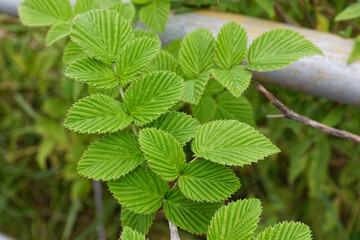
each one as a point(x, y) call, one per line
point(174, 235)
point(304, 120)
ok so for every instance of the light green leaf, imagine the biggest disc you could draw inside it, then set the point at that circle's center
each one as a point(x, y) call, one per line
point(205, 110)
point(57, 32)
point(82, 6)
point(111, 92)
point(97, 114)
point(194, 88)
point(107, 3)
point(182, 126)
point(73, 52)
point(173, 47)
point(203, 180)
point(101, 33)
point(93, 72)
point(140, 33)
point(155, 15)
point(197, 52)
point(136, 221)
point(129, 234)
point(140, 191)
point(126, 10)
point(278, 48)
point(159, 92)
point(135, 56)
point(213, 87)
point(238, 220)
point(236, 80)
point(189, 215)
point(351, 12)
point(111, 157)
point(141, 1)
point(231, 45)
point(44, 12)
point(267, 6)
point(232, 143)
point(164, 61)
point(355, 54)
point(163, 153)
point(286, 231)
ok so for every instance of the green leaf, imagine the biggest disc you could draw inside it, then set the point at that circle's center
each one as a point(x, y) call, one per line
point(126, 10)
point(82, 6)
point(267, 6)
point(93, 72)
point(230, 108)
point(138, 222)
point(173, 47)
point(73, 52)
point(231, 45)
point(164, 61)
point(135, 56)
point(140, 191)
point(182, 126)
point(194, 88)
point(203, 180)
point(197, 52)
point(232, 143)
point(236, 80)
point(163, 153)
point(140, 33)
point(355, 54)
point(141, 1)
point(111, 157)
point(97, 114)
point(102, 34)
point(205, 110)
point(278, 48)
point(44, 12)
point(57, 32)
point(351, 12)
point(129, 234)
point(286, 231)
point(189, 215)
point(213, 87)
point(155, 15)
point(159, 92)
point(238, 220)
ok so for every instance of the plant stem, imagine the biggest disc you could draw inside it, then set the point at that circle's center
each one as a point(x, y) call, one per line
point(174, 235)
point(100, 229)
point(122, 94)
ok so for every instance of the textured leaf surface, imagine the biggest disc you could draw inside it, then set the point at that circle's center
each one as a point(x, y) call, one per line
point(203, 180)
point(155, 15)
point(236, 80)
point(205, 110)
point(194, 88)
point(136, 221)
point(189, 215)
point(164, 61)
point(278, 48)
point(133, 59)
point(159, 92)
point(140, 191)
point(163, 153)
point(213, 87)
point(232, 143)
point(101, 33)
point(82, 6)
point(197, 52)
point(145, 33)
point(126, 10)
point(174, 47)
point(231, 45)
point(93, 72)
point(97, 114)
point(44, 12)
point(351, 12)
point(111, 157)
point(238, 220)
point(182, 126)
point(57, 32)
point(130, 234)
point(286, 231)
point(73, 52)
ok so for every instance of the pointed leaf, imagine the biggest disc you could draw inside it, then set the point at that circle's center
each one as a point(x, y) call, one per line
point(97, 114)
point(355, 54)
point(126, 10)
point(232, 143)
point(173, 47)
point(155, 15)
point(286, 231)
point(73, 52)
point(129, 234)
point(57, 32)
point(351, 12)
point(136, 221)
point(194, 88)
point(203, 180)
point(164, 61)
point(140, 191)
point(82, 6)
point(205, 110)
point(213, 87)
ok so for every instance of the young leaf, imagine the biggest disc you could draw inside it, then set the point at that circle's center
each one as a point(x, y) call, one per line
point(182, 126)
point(191, 216)
point(355, 54)
point(173, 47)
point(93, 72)
point(111, 157)
point(44, 12)
point(286, 231)
point(163, 153)
point(97, 114)
point(129, 234)
point(213, 88)
point(82, 6)
point(238, 220)
point(351, 12)
point(205, 110)
point(140, 33)
point(138, 222)
point(278, 48)
point(126, 10)
point(101, 33)
point(203, 180)
point(159, 92)
point(73, 52)
point(164, 61)
point(194, 88)
point(232, 143)
point(57, 32)
point(231, 45)
point(236, 79)
point(134, 57)
point(197, 52)
point(155, 15)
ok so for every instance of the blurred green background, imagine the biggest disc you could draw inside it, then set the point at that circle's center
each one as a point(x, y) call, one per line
point(316, 178)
